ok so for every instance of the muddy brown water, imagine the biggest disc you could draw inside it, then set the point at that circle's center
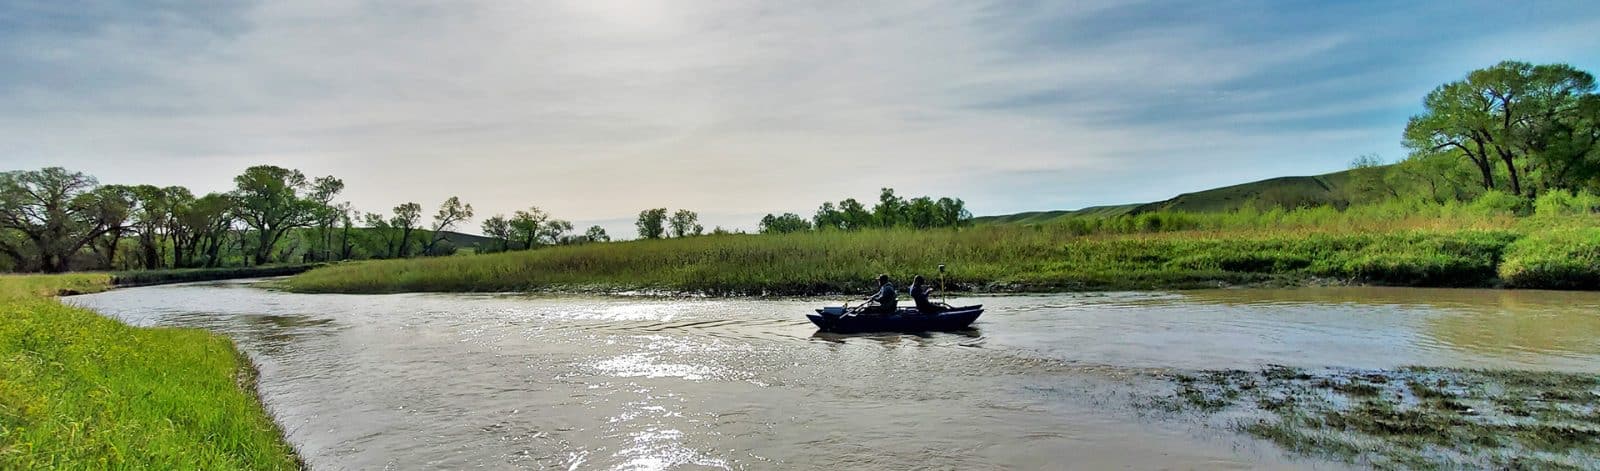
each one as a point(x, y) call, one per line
point(563, 382)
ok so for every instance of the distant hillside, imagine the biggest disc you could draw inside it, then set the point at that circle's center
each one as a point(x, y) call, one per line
point(468, 240)
point(1287, 192)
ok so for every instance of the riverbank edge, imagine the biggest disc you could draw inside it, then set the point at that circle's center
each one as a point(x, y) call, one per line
point(1275, 281)
point(137, 278)
point(1003, 260)
point(246, 373)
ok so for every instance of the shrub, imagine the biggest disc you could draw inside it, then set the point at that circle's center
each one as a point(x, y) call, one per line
point(1560, 258)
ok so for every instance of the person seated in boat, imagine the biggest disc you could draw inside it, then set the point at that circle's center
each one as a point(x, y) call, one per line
point(882, 302)
point(919, 294)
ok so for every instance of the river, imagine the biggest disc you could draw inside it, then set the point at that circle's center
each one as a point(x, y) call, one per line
point(574, 382)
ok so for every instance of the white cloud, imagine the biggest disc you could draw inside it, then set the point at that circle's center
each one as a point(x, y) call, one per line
point(596, 109)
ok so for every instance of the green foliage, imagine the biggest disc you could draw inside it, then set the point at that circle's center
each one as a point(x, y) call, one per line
point(1563, 203)
point(784, 224)
point(596, 234)
point(1496, 201)
point(1557, 258)
point(685, 223)
point(81, 391)
point(1521, 124)
point(891, 211)
point(48, 215)
point(652, 223)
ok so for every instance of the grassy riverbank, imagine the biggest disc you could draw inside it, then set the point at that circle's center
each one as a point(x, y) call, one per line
point(82, 391)
point(1470, 250)
point(1412, 418)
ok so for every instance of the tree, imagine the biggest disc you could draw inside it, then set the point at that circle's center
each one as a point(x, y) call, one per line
point(953, 212)
point(498, 228)
point(203, 224)
point(554, 231)
point(685, 223)
point(526, 226)
point(921, 213)
point(120, 200)
point(406, 217)
point(450, 213)
point(51, 214)
point(856, 216)
point(596, 234)
point(890, 210)
point(386, 234)
point(269, 201)
point(347, 218)
point(827, 217)
point(153, 217)
point(1508, 115)
point(324, 213)
point(787, 223)
point(651, 223)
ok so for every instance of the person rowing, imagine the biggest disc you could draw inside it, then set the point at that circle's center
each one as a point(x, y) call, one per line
point(882, 302)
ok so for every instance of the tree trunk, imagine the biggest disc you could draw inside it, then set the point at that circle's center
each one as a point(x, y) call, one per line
point(1511, 170)
point(405, 243)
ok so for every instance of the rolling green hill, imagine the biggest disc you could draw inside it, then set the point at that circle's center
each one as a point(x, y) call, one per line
point(1288, 192)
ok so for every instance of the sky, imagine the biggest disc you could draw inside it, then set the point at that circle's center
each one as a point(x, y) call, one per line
point(596, 109)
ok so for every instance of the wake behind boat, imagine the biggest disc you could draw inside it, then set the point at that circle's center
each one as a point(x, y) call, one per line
point(843, 320)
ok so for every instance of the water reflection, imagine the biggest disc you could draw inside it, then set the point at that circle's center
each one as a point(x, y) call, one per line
point(1521, 328)
point(965, 337)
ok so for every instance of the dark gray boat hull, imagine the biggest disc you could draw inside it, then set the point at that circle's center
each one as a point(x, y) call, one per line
point(835, 319)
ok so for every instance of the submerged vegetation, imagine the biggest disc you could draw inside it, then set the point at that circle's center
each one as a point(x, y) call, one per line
point(82, 391)
point(1414, 418)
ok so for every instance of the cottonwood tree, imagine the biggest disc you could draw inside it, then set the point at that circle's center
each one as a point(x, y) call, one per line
point(652, 223)
point(498, 228)
point(51, 214)
point(890, 210)
point(386, 236)
point(406, 217)
point(451, 212)
point(953, 212)
point(325, 213)
point(120, 201)
point(527, 226)
point(685, 223)
point(1513, 115)
point(827, 217)
point(203, 228)
point(855, 214)
point(269, 201)
point(554, 231)
point(596, 234)
point(783, 224)
point(153, 217)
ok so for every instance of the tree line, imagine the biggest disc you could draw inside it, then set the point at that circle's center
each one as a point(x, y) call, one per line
point(54, 220)
point(891, 211)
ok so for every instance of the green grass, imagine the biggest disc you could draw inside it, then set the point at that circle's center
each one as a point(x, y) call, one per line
point(1483, 243)
point(1563, 258)
point(991, 258)
point(82, 391)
